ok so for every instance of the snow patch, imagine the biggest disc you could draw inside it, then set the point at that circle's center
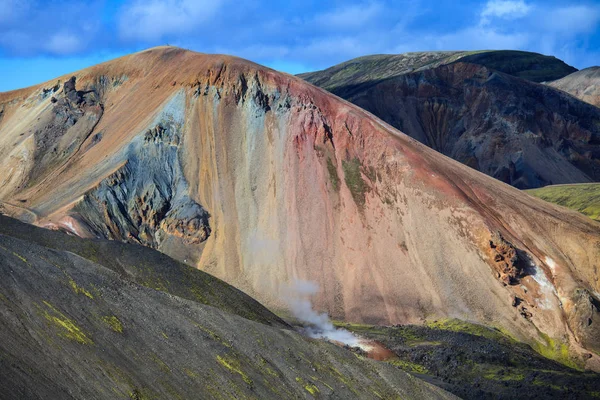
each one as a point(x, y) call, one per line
point(69, 225)
point(551, 264)
point(547, 289)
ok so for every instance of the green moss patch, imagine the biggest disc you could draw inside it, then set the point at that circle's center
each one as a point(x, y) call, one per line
point(234, 366)
point(409, 366)
point(457, 325)
point(68, 327)
point(113, 323)
point(333, 175)
point(557, 351)
point(78, 289)
point(309, 387)
point(354, 180)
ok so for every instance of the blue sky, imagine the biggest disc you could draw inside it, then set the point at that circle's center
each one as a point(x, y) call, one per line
point(40, 40)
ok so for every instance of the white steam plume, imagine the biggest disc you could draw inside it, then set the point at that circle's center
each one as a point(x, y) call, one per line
point(298, 298)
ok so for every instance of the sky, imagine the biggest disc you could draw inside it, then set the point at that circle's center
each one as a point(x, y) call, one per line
point(43, 39)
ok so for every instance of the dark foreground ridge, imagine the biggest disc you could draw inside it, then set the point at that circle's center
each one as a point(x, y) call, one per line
point(84, 319)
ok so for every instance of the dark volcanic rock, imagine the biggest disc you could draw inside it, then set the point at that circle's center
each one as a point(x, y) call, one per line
point(586, 318)
point(531, 66)
point(476, 362)
point(525, 134)
point(66, 125)
point(473, 107)
point(71, 92)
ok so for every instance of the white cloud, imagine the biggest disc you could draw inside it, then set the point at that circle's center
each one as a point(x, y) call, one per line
point(350, 16)
point(571, 20)
point(14, 39)
point(63, 43)
point(479, 38)
point(34, 27)
point(506, 9)
point(346, 45)
point(153, 19)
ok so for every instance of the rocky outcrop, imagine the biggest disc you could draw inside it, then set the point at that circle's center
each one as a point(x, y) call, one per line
point(64, 126)
point(146, 200)
point(509, 268)
point(585, 320)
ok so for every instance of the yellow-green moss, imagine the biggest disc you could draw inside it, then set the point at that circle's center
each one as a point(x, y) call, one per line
point(78, 289)
point(161, 364)
point(504, 374)
point(20, 257)
point(264, 366)
point(539, 382)
point(233, 365)
point(199, 294)
point(309, 387)
point(409, 366)
point(354, 180)
point(156, 283)
point(212, 334)
point(333, 175)
point(191, 373)
point(360, 328)
point(70, 329)
point(457, 325)
point(553, 350)
point(113, 323)
point(136, 394)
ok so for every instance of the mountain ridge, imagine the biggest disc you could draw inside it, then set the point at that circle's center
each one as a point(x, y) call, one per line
point(384, 66)
point(87, 330)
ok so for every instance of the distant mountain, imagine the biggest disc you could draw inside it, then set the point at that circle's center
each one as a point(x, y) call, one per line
point(584, 84)
point(341, 79)
point(466, 107)
point(82, 319)
point(261, 179)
